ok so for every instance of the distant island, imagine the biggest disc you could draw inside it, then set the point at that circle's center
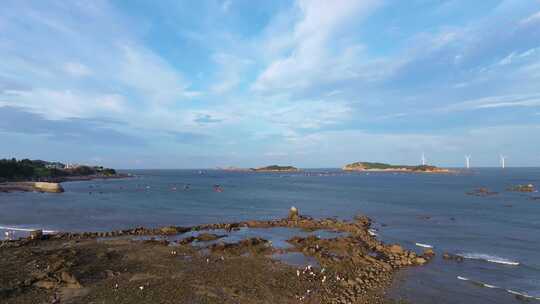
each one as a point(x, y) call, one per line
point(272, 168)
point(383, 167)
point(275, 168)
point(44, 176)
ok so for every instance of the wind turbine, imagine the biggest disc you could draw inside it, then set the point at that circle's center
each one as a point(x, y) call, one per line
point(468, 161)
point(503, 158)
point(423, 159)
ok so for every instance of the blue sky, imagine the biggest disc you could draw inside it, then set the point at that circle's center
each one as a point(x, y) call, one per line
point(200, 84)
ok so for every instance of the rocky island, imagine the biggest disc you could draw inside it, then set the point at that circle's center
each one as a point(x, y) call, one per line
point(43, 176)
point(383, 167)
point(276, 168)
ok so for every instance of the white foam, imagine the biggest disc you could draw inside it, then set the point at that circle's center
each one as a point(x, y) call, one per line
point(521, 294)
point(424, 245)
point(372, 232)
point(488, 258)
point(25, 229)
point(496, 287)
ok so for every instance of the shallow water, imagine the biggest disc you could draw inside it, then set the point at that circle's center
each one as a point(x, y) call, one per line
point(407, 208)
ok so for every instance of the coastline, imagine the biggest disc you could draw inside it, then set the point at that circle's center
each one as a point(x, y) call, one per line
point(54, 183)
point(352, 267)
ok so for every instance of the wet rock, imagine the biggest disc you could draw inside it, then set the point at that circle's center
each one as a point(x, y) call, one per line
point(396, 249)
point(452, 257)
point(420, 261)
point(205, 237)
point(481, 192)
point(68, 278)
point(170, 230)
point(429, 253)
point(36, 235)
point(523, 188)
point(45, 284)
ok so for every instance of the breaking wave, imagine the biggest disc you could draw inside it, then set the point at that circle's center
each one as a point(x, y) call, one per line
point(514, 292)
point(488, 258)
point(25, 229)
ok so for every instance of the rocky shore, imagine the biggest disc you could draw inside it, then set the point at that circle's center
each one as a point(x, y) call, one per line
point(52, 185)
point(121, 267)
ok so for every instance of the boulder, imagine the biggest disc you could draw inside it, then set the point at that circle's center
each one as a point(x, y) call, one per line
point(36, 235)
point(49, 187)
point(293, 213)
point(45, 284)
point(70, 280)
point(429, 253)
point(396, 249)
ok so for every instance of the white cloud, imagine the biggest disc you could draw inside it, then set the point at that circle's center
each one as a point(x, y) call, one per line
point(65, 104)
point(226, 5)
point(310, 43)
point(491, 102)
point(77, 69)
point(229, 70)
point(147, 73)
point(531, 19)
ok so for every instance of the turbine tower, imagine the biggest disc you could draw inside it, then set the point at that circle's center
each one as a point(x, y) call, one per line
point(503, 158)
point(468, 161)
point(423, 159)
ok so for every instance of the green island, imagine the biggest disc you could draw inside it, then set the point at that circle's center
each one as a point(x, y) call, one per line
point(374, 166)
point(276, 168)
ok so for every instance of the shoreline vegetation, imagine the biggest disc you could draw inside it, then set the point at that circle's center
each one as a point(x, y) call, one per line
point(191, 265)
point(42, 176)
point(383, 167)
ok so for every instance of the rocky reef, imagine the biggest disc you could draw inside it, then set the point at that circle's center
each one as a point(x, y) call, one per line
point(523, 188)
point(353, 267)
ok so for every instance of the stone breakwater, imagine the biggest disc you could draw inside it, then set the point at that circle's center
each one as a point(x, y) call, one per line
point(353, 268)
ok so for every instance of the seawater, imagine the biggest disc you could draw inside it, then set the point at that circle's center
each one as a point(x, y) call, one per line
point(498, 235)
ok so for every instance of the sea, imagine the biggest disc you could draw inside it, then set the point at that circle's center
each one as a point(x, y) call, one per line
point(497, 235)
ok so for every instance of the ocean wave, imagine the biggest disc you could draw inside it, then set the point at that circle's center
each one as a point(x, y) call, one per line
point(25, 229)
point(488, 258)
point(424, 245)
point(372, 232)
point(514, 292)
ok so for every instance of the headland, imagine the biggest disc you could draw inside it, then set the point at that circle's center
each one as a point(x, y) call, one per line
point(42, 176)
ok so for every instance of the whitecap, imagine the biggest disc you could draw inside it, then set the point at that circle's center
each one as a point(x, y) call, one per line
point(488, 258)
point(372, 232)
point(520, 294)
point(424, 245)
point(25, 229)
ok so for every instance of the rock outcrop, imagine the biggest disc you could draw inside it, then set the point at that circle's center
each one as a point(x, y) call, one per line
point(49, 187)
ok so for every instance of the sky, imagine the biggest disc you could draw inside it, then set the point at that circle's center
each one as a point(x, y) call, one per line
point(202, 84)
